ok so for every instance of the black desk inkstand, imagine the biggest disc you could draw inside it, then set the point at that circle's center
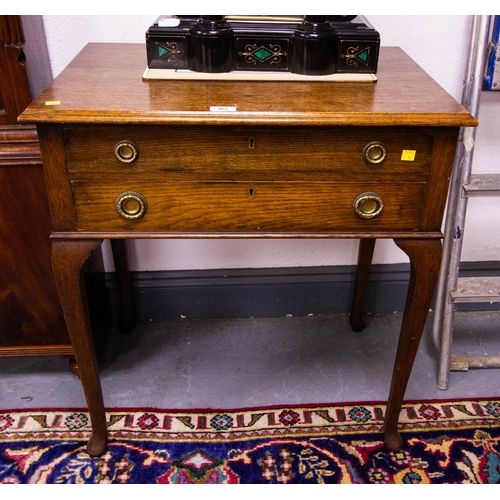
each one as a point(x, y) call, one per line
point(307, 45)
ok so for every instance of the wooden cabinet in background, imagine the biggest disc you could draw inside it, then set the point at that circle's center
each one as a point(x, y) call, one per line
point(31, 319)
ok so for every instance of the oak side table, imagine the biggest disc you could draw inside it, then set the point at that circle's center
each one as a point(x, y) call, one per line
point(127, 158)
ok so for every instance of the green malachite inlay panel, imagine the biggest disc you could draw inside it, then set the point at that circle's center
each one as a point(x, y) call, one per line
point(161, 51)
point(262, 54)
point(363, 55)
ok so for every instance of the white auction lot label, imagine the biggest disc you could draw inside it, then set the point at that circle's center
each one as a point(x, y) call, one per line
point(222, 109)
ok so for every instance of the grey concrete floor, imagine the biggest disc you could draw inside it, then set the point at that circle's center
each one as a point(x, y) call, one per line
point(241, 363)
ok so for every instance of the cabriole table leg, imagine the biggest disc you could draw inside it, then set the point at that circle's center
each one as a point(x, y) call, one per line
point(128, 310)
point(68, 257)
point(365, 256)
point(425, 260)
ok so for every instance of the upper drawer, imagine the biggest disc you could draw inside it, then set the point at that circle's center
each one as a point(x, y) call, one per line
point(229, 149)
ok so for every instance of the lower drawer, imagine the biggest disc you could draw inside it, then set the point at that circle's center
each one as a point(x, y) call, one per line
point(239, 207)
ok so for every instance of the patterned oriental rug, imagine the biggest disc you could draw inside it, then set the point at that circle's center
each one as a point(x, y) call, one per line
point(445, 442)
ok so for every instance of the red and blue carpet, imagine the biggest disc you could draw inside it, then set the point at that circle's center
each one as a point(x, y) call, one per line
point(445, 442)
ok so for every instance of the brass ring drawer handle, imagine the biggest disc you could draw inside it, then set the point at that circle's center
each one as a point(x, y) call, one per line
point(131, 205)
point(126, 151)
point(368, 205)
point(374, 152)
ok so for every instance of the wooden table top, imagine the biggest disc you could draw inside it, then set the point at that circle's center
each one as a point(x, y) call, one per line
point(104, 84)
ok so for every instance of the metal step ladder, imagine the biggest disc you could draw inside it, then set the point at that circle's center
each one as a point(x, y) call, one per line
point(451, 288)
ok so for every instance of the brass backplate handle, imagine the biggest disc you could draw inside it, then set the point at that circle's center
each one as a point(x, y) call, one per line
point(131, 205)
point(126, 151)
point(374, 152)
point(368, 205)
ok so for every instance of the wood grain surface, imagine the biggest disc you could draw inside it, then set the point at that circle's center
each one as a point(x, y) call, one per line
point(104, 84)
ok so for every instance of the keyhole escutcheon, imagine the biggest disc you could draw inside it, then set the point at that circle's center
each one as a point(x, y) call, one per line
point(251, 143)
point(251, 192)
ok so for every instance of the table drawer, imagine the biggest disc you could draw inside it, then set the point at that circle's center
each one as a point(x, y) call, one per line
point(230, 149)
point(260, 207)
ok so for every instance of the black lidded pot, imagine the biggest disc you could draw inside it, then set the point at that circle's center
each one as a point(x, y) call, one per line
point(314, 47)
point(210, 45)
